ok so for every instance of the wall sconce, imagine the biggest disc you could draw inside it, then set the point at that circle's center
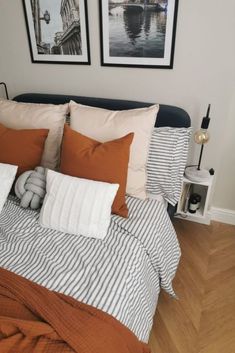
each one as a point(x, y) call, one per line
point(46, 17)
point(5, 87)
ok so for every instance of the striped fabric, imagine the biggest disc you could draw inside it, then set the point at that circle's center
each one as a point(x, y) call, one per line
point(166, 162)
point(120, 274)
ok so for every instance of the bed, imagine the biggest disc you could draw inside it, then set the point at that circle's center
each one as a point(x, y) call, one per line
point(123, 274)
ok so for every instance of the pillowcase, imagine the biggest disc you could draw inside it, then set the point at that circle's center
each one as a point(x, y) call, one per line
point(77, 206)
point(37, 116)
point(105, 125)
point(22, 147)
point(166, 162)
point(7, 176)
point(86, 158)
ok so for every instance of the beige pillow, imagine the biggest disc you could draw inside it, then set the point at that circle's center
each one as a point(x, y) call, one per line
point(19, 116)
point(105, 125)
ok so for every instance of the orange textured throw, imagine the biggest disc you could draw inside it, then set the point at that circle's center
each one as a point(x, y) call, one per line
point(23, 148)
point(86, 158)
point(36, 320)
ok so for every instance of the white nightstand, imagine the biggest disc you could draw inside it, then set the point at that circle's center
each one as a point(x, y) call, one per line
point(204, 189)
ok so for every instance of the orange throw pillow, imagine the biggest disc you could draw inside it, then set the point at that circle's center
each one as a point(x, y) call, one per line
point(23, 148)
point(86, 158)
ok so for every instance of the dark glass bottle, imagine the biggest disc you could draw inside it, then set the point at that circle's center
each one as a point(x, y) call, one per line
point(193, 204)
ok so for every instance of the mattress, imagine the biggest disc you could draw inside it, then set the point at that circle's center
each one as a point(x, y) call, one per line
point(121, 275)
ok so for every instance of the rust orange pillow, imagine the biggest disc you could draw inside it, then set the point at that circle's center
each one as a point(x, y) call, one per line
point(23, 148)
point(86, 158)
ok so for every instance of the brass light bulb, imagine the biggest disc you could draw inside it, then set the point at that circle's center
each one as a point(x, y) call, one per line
point(201, 137)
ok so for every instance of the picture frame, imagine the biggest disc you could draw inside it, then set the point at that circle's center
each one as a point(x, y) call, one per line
point(57, 31)
point(138, 33)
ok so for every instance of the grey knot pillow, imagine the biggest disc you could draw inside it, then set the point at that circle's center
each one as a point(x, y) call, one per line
point(30, 188)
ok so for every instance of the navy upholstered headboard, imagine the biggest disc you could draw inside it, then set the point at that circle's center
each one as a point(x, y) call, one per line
point(168, 115)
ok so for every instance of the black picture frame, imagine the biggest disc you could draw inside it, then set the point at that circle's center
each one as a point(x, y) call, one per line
point(71, 43)
point(123, 45)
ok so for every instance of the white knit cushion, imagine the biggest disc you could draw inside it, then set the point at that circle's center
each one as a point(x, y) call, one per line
point(7, 176)
point(19, 116)
point(106, 125)
point(77, 206)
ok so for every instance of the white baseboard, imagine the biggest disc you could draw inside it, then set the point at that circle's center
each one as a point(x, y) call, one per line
point(223, 215)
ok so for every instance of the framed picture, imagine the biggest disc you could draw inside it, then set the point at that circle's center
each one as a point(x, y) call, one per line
point(58, 31)
point(138, 33)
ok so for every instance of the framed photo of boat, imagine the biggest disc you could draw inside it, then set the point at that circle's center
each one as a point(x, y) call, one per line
point(138, 33)
point(57, 31)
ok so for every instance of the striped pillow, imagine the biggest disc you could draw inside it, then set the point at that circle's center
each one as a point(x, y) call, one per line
point(166, 162)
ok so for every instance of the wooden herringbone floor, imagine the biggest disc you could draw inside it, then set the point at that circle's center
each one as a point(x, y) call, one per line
point(203, 319)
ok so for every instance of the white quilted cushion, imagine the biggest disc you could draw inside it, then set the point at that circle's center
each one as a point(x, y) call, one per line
point(77, 206)
point(7, 176)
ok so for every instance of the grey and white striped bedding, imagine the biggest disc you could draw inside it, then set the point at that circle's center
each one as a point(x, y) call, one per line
point(121, 274)
point(167, 159)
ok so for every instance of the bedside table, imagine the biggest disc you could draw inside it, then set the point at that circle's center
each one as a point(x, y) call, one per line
point(204, 189)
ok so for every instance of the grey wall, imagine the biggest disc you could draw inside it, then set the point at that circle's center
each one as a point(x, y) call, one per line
point(224, 196)
point(203, 73)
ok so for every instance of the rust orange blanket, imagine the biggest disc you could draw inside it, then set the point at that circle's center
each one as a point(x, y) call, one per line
point(36, 320)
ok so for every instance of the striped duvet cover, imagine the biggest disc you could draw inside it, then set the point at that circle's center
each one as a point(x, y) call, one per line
point(120, 275)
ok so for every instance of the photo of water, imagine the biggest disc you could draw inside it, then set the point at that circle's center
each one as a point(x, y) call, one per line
point(137, 28)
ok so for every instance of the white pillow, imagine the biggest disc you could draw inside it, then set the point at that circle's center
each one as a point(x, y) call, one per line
point(7, 176)
point(106, 125)
point(19, 116)
point(77, 206)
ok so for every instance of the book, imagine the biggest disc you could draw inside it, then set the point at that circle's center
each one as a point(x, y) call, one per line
point(184, 199)
point(187, 197)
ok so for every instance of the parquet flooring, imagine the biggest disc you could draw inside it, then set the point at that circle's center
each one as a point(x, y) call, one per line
point(203, 319)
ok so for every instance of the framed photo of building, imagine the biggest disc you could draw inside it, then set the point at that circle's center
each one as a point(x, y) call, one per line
point(58, 31)
point(139, 33)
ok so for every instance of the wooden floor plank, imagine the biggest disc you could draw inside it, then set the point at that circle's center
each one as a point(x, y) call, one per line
point(203, 319)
